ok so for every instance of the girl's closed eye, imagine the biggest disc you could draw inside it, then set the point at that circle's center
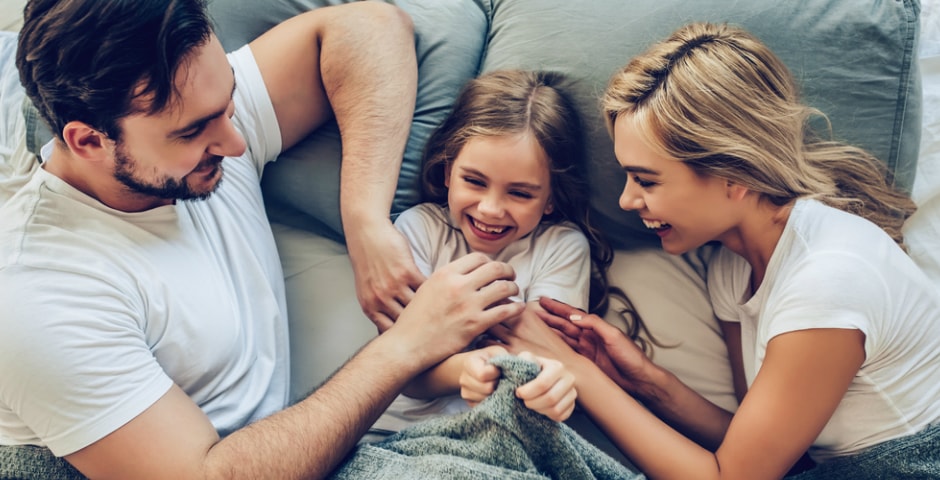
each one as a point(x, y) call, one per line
point(474, 181)
point(521, 194)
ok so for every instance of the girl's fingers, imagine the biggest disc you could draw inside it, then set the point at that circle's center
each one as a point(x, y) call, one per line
point(552, 392)
point(478, 378)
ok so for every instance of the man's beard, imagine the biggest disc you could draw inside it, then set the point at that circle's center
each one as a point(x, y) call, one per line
point(170, 188)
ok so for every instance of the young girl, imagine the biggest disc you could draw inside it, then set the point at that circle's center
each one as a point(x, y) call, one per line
point(831, 328)
point(503, 175)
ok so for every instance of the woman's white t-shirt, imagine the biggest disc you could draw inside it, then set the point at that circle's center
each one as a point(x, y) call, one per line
point(832, 269)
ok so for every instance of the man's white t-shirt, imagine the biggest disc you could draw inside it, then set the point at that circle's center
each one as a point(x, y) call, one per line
point(553, 261)
point(104, 310)
point(832, 269)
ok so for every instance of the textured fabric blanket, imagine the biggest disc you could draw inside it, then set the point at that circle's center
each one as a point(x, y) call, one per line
point(916, 457)
point(29, 462)
point(499, 439)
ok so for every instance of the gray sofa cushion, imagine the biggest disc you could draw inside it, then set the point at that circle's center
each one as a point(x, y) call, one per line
point(854, 59)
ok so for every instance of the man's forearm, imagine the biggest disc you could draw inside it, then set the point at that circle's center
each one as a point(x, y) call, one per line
point(308, 439)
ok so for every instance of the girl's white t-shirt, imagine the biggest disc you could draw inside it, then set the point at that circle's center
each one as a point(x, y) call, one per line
point(554, 261)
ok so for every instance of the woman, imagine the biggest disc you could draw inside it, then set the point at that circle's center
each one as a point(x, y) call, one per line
point(832, 331)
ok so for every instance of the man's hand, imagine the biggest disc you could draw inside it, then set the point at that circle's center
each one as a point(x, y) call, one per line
point(386, 274)
point(455, 305)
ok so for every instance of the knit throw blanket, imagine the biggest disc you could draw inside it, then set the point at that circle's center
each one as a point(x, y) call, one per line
point(499, 439)
point(29, 462)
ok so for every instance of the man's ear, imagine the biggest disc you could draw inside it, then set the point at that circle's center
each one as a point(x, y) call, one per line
point(86, 142)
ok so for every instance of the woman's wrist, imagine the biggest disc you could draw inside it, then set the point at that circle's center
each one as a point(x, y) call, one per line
point(653, 387)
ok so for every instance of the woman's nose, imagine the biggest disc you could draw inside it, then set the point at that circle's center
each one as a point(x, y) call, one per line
point(630, 198)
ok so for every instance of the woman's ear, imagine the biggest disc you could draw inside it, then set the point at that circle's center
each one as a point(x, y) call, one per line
point(447, 168)
point(736, 191)
point(85, 142)
point(549, 207)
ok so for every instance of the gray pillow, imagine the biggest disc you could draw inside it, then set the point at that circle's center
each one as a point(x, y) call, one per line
point(302, 187)
point(854, 59)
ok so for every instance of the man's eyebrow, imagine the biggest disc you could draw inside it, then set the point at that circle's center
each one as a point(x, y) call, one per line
point(199, 122)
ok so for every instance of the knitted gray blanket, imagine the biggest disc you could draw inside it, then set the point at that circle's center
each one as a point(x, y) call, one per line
point(29, 462)
point(499, 439)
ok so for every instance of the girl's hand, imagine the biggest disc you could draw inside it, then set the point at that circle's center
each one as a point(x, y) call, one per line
point(604, 344)
point(550, 393)
point(479, 378)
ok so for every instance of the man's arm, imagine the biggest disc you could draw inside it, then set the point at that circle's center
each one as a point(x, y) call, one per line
point(358, 58)
point(174, 439)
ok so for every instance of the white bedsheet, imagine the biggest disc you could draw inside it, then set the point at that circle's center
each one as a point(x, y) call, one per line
point(922, 231)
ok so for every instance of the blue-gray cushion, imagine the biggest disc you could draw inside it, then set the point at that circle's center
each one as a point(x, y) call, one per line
point(854, 60)
point(302, 187)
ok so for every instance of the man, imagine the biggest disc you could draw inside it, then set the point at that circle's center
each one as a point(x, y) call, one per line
point(142, 327)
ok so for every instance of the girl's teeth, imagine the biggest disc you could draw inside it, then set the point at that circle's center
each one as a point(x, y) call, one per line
point(488, 229)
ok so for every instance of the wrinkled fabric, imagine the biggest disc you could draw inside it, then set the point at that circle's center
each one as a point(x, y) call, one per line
point(29, 462)
point(499, 439)
point(915, 457)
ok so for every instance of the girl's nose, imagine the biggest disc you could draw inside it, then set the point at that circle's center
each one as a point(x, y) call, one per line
point(491, 205)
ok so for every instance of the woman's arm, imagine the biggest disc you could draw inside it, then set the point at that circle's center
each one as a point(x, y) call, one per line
point(803, 377)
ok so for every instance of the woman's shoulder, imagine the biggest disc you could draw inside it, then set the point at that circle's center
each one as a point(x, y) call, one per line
point(812, 218)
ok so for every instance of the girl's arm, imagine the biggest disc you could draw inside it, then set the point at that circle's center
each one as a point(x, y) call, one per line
point(438, 381)
point(731, 332)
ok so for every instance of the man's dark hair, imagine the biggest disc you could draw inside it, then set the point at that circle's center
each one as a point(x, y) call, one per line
point(97, 61)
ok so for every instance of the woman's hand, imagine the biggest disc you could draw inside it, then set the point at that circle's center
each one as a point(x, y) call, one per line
point(550, 393)
point(604, 344)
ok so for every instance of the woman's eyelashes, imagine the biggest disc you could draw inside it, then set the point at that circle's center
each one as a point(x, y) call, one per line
point(643, 183)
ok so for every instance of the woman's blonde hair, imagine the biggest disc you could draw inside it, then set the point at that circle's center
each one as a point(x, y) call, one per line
point(715, 97)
